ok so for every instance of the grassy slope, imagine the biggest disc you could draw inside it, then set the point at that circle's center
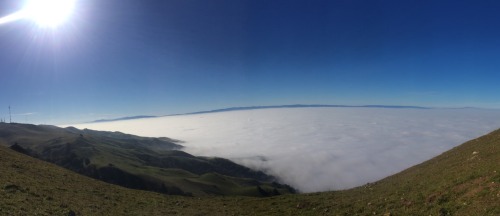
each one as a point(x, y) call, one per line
point(458, 182)
point(142, 163)
point(29, 186)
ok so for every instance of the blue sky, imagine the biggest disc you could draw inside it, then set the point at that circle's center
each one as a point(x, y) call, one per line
point(118, 58)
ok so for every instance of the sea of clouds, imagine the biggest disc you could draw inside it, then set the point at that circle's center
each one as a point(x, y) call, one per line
point(319, 149)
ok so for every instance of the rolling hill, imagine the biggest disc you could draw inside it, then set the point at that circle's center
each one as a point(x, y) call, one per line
point(462, 181)
point(29, 186)
point(154, 164)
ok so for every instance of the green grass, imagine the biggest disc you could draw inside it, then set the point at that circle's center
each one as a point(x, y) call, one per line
point(462, 181)
point(138, 162)
point(458, 182)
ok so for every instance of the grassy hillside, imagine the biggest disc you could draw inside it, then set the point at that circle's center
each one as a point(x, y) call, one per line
point(462, 181)
point(32, 187)
point(154, 164)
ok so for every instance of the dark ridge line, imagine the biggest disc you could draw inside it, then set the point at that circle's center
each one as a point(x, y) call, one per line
point(123, 118)
point(304, 106)
point(265, 107)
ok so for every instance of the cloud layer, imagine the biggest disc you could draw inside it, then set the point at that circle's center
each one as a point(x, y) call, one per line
point(319, 149)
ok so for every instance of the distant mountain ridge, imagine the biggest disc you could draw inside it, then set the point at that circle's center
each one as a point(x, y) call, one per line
point(267, 107)
point(124, 118)
point(307, 106)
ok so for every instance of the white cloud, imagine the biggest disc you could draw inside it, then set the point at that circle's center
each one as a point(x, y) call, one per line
point(25, 114)
point(319, 149)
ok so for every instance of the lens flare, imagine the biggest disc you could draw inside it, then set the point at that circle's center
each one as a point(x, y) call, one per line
point(12, 17)
point(45, 13)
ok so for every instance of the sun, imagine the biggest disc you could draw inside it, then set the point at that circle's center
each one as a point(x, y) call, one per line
point(48, 13)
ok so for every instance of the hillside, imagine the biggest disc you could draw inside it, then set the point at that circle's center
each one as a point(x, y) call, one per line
point(29, 186)
point(462, 181)
point(154, 164)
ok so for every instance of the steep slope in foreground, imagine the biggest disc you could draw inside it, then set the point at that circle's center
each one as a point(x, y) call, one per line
point(153, 164)
point(462, 181)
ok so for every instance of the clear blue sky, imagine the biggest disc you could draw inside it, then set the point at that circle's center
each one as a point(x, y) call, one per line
point(119, 58)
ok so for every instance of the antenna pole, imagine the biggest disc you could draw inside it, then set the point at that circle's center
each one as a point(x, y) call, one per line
point(10, 115)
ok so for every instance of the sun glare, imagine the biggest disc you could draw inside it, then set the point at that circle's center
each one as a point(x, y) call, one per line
point(49, 13)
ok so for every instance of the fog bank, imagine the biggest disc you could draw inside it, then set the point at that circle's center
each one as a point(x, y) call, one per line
point(319, 149)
